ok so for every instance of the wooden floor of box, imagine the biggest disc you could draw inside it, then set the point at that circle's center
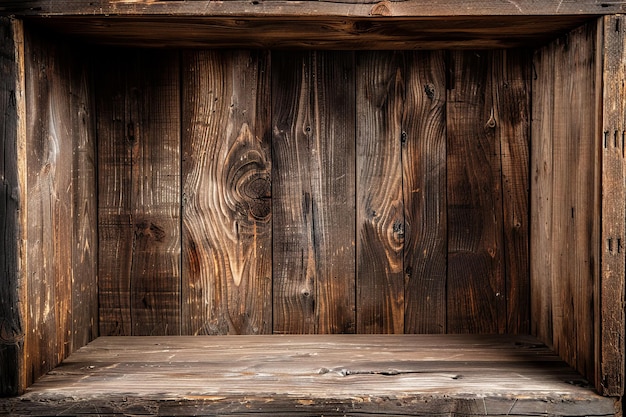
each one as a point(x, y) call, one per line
point(313, 375)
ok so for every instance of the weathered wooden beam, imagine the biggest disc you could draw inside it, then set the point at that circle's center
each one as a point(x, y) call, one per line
point(287, 8)
point(12, 207)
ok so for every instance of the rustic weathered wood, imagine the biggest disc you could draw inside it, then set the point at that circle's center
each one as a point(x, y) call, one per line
point(423, 139)
point(324, 25)
point(511, 92)
point(613, 243)
point(227, 239)
point(84, 203)
point(49, 244)
point(307, 8)
point(321, 375)
point(13, 324)
point(380, 210)
point(139, 188)
point(541, 196)
point(476, 290)
point(313, 123)
point(576, 206)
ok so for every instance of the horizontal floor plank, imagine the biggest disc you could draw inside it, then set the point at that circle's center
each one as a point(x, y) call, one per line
point(330, 374)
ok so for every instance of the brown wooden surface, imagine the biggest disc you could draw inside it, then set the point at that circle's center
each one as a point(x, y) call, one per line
point(310, 25)
point(12, 206)
point(139, 193)
point(227, 228)
point(476, 288)
point(323, 375)
point(423, 139)
point(313, 197)
point(613, 245)
point(565, 177)
point(511, 75)
point(380, 210)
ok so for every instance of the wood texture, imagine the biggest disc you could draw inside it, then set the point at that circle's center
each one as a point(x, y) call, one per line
point(511, 112)
point(313, 123)
point(423, 139)
point(612, 320)
point(353, 375)
point(380, 208)
point(50, 234)
point(476, 288)
point(227, 239)
point(139, 193)
point(566, 196)
point(308, 25)
point(13, 324)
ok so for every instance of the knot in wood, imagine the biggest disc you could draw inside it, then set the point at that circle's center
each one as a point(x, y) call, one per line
point(381, 9)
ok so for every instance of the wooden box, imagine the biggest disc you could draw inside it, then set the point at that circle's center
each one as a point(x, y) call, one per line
point(422, 204)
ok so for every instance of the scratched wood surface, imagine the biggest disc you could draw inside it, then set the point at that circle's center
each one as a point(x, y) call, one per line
point(313, 177)
point(227, 228)
point(139, 193)
point(355, 375)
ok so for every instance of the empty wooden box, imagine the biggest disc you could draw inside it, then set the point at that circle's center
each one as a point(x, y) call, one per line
point(421, 202)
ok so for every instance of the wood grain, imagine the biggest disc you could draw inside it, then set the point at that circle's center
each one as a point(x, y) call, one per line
point(576, 206)
point(49, 244)
point(139, 188)
point(380, 209)
point(227, 239)
point(511, 92)
point(423, 139)
point(323, 375)
point(612, 320)
point(476, 283)
point(542, 194)
point(313, 123)
point(13, 324)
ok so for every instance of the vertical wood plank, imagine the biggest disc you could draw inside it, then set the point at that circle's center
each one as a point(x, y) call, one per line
point(313, 102)
point(511, 92)
point(140, 200)
point(13, 287)
point(476, 286)
point(542, 196)
point(380, 210)
point(115, 233)
point(84, 205)
point(424, 188)
point(576, 205)
point(613, 249)
point(49, 165)
point(227, 245)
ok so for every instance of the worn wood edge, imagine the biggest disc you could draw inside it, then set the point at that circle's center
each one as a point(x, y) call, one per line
point(311, 8)
point(15, 32)
point(610, 322)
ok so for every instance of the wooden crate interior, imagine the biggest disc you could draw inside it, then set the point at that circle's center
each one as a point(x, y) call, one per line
point(195, 191)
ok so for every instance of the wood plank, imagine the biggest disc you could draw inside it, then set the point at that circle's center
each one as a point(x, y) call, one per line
point(139, 205)
point(227, 239)
point(49, 245)
point(313, 105)
point(84, 204)
point(576, 206)
point(380, 211)
point(476, 283)
point(13, 324)
point(385, 26)
point(542, 194)
point(612, 327)
point(423, 140)
point(329, 374)
point(315, 8)
point(511, 92)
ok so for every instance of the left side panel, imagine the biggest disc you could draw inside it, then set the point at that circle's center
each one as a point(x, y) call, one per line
point(12, 262)
point(61, 301)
